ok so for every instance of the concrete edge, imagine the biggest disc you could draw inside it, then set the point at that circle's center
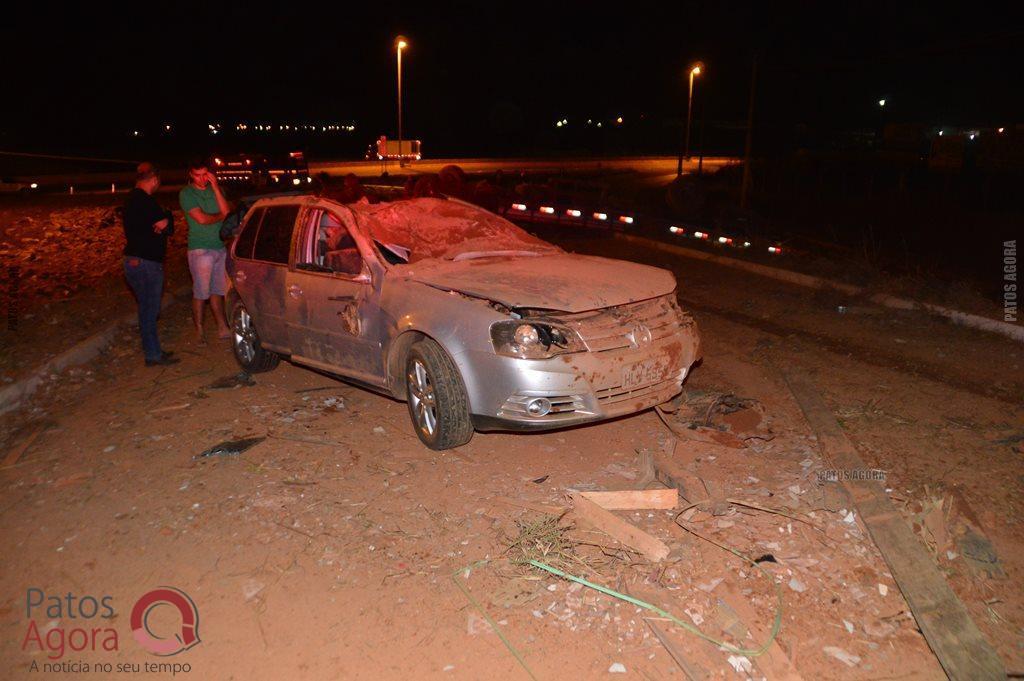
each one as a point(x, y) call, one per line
point(1012, 331)
point(11, 396)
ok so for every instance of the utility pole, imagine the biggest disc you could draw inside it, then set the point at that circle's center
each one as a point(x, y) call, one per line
point(745, 187)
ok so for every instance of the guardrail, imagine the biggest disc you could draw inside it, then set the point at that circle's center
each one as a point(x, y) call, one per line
point(553, 213)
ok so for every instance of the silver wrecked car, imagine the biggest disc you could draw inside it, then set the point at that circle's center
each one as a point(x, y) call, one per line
point(473, 322)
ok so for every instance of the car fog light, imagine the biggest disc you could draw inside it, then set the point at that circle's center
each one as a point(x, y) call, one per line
point(526, 334)
point(538, 406)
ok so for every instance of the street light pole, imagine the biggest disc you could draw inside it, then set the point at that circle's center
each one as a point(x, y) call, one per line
point(695, 70)
point(400, 45)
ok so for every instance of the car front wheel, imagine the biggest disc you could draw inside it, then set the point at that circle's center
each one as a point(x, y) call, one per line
point(436, 397)
point(246, 343)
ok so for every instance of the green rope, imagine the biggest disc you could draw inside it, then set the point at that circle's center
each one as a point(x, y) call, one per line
point(754, 652)
point(494, 625)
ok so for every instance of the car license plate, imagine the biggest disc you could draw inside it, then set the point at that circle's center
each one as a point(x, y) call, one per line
point(641, 374)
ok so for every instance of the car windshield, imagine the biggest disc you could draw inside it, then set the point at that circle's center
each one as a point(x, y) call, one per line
point(430, 228)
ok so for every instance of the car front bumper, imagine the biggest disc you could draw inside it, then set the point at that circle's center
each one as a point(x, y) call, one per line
point(580, 387)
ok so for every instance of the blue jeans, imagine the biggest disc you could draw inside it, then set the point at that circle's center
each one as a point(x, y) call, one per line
point(146, 278)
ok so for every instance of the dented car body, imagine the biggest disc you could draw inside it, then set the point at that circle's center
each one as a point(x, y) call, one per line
point(472, 321)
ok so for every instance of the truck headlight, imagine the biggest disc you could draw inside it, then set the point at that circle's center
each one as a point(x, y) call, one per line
point(533, 340)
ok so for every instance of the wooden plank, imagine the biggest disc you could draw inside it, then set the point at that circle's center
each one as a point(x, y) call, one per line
point(16, 453)
point(774, 663)
point(634, 499)
point(690, 668)
point(959, 645)
point(650, 547)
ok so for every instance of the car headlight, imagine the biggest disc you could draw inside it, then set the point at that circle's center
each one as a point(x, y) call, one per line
point(533, 340)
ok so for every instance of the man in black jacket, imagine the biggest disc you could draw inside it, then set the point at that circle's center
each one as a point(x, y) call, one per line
point(146, 228)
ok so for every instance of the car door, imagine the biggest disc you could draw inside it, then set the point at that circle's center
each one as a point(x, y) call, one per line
point(331, 302)
point(261, 267)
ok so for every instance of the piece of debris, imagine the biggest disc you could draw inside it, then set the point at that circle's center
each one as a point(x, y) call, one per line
point(617, 668)
point(849, 659)
point(540, 480)
point(16, 453)
point(230, 447)
point(741, 664)
point(797, 586)
point(173, 407)
point(240, 380)
point(634, 500)
point(650, 547)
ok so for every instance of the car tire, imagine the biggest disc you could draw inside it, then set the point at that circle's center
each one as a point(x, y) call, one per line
point(245, 342)
point(438, 405)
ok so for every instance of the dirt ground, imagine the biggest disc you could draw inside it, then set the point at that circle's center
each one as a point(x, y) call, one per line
point(339, 547)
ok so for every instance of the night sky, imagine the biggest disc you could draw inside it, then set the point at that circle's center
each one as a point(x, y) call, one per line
point(496, 77)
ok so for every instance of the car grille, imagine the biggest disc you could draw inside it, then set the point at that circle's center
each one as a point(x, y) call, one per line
point(610, 396)
point(612, 328)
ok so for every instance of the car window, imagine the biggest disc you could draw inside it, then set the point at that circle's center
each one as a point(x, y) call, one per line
point(275, 236)
point(333, 249)
point(247, 237)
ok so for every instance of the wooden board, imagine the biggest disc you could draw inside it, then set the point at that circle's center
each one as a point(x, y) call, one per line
point(634, 499)
point(15, 454)
point(650, 547)
point(959, 645)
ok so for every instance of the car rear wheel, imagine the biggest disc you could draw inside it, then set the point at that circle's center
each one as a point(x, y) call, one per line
point(246, 343)
point(436, 397)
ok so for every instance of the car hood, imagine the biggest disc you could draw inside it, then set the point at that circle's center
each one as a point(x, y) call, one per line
point(564, 282)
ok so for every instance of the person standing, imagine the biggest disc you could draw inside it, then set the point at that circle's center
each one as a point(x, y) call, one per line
point(205, 208)
point(146, 229)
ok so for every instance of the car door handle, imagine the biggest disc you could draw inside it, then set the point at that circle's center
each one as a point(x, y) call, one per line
point(294, 291)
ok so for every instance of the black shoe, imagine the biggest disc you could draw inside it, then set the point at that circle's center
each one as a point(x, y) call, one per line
point(162, 362)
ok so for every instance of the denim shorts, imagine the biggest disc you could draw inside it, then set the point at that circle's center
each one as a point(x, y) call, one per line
point(208, 275)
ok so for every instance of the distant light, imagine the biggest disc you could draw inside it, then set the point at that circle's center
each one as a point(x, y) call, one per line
point(626, 219)
point(558, 124)
point(599, 124)
point(700, 235)
point(940, 133)
point(881, 102)
point(746, 244)
point(724, 240)
point(308, 179)
point(547, 209)
point(573, 212)
point(600, 216)
point(402, 44)
point(519, 206)
point(296, 181)
point(674, 229)
point(34, 185)
point(218, 161)
point(618, 120)
point(135, 132)
point(972, 135)
point(167, 127)
point(774, 249)
point(695, 70)
point(1000, 131)
point(589, 121)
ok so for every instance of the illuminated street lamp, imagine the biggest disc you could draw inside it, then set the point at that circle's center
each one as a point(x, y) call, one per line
point(881, 102)
point(400, 44)
point(695, 71)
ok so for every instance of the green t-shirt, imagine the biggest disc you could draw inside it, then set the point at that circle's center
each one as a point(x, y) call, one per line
point(201, 236)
